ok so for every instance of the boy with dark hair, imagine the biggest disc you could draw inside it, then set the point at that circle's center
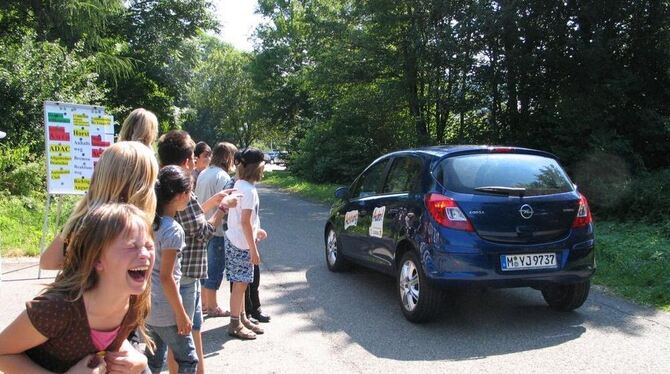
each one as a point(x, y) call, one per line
point(176, 148)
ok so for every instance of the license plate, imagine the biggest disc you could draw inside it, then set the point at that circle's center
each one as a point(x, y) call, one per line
point(528, 261)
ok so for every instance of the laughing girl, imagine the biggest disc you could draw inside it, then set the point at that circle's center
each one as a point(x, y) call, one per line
point(87, 312)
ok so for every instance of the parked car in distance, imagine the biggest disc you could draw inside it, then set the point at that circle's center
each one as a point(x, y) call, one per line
point(465, 216)
point(276, 157)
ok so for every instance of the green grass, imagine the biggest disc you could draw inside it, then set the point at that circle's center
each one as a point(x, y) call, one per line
point(21, 220)
point(634, 261)
point(324, 193)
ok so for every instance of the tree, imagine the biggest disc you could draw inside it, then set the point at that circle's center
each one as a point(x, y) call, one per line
point(222, 96)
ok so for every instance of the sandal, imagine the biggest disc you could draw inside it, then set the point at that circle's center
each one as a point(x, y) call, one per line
point(242, 332)
point(253, 327)
point(217, 312)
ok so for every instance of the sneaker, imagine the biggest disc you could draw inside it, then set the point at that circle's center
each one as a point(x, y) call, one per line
point(260, 316)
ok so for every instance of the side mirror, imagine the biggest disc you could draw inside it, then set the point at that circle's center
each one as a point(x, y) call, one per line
point(342, 193)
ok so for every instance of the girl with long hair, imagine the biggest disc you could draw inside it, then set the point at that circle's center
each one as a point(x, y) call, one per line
point(141, 125)
point(100, 296)
point(125, 173)
point(169, 323)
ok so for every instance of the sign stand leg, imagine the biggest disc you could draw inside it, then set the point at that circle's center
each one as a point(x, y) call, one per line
point(59, 208)
point(45, 229)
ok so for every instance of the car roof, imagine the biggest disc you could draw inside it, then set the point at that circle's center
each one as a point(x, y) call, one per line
point(444, 150)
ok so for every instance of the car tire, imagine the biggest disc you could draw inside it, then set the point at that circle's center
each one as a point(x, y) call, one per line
point(419, 300)
point(566, 297)
point(334, 259)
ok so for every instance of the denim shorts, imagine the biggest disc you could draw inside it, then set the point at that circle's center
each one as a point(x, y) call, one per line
point(189, 289)
point(216, 262)
point(182, 347)
point(238, 264)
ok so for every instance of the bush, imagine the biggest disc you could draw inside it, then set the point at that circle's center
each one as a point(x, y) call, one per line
point(21, 172)
point(616, 193)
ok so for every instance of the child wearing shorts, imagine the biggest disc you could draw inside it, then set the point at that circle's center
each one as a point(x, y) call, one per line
point(243, 232)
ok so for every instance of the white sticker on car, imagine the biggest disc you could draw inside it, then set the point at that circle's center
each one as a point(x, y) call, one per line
point(377, 225)
point(350, 219)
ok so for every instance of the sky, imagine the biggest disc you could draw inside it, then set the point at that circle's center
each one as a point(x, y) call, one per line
point(238, 21)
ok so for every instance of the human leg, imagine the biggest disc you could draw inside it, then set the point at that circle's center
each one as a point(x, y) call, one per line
point(189, 290)
point(253, 305)
point(182, 348)
point(236, 327)
point(155, 359)
point(197, 325)
point(215, 266)
point(240, 271)
point(197, 339)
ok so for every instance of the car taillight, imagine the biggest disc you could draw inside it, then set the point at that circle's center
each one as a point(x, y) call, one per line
point(583, 213)
point(447, 213)
point(500, 149)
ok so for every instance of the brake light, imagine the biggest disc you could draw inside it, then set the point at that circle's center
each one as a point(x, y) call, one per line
point(500, 149)
point(447, 213)
point(583, 217)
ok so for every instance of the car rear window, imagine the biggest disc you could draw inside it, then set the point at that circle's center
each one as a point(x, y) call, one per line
point(537, 174)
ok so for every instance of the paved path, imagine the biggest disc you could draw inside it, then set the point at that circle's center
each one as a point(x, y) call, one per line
point(344, 323)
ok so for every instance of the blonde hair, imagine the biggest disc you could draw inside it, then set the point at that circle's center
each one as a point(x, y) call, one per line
point(141, 125)
point(98, 229)
point(223, 156)
point(125, 173)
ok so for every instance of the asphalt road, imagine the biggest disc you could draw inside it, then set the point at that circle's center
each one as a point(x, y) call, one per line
point(351, 323)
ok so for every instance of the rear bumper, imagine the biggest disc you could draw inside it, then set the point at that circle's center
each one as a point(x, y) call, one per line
point(445, 268)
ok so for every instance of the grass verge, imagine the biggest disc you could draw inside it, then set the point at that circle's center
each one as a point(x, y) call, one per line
point(21, 221)
point(324, 193)
point(634, 261)
point(633, 258)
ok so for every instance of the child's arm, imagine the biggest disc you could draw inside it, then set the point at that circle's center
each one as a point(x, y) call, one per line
point(216, 218)
point(171, 292)
point(248, 231)
point(219, 198)
point(17, 338)
point(53, 257)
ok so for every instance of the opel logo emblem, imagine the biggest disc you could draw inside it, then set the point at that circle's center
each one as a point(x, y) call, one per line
point(526, 211)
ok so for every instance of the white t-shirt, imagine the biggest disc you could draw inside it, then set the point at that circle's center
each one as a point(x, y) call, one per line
point(210, 182)
point(249, 200)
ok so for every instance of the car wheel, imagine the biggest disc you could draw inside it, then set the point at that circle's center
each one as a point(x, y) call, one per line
point(419, 300)
point(334, 259)
point(566, 297)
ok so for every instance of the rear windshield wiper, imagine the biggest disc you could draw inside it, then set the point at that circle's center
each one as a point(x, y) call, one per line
point(517, 191)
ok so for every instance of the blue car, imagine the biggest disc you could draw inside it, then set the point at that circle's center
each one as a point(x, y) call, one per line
point(465, 216)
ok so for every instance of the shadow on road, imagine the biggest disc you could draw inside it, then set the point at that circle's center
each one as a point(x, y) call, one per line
point(363, 304)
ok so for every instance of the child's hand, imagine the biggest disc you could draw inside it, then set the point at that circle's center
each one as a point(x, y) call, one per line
point(255, 257)
point(130, 361)
point(230, 201)
point(91, 364)
point(184, 324)
point(261, 234)
point(219, 196)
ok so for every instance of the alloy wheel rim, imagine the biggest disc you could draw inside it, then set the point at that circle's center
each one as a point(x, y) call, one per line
point(409, 285)
point(332, 247)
